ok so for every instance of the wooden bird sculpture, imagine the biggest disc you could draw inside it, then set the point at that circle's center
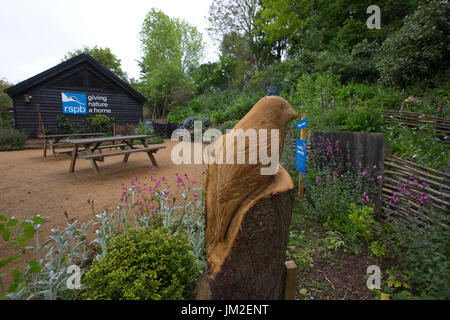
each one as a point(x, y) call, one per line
point(233, 190)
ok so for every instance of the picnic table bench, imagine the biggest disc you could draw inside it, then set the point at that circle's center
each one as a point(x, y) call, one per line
point(126, 144)
point(53, 140)
point(99, 148)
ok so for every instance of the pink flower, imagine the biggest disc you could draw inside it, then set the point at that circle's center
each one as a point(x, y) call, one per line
point(379, 177)
point(194, 181)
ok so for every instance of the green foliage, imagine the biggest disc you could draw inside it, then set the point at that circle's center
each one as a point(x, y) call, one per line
point(12, 139)
point(364, 120)
point(330, 193)
point(100, 123)
point(423, 248)
point(104, 56)
point(322, 25)
point(214, 75)
point(16, 234)
point(143, 129)
point(143, 264)
point(228, 125)
point(361, 222)
point(179, 114)
point(418, 145)
point(172, 50)
point(378, 248)
point(47, 277)
point(5, 104)
point(169, 40)
point(416, 51)
point(63, 123)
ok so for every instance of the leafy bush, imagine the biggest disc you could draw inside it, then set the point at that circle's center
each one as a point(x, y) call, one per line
point(143, 264)
point(143, 129)
point(330, 193)
point(64, 124)
point(100, 123)
point(237, 108)
point(179, 114)
point(12, 139)
point(361, 222)
point(228, 125)
point(16, 234)
point(365, 120)
point(423, 248)
point(417, 145)
point(416, 51)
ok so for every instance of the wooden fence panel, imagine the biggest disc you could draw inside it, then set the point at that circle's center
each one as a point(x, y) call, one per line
point(412, 189)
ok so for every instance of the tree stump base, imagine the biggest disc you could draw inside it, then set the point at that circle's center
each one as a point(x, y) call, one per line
point(255, 269)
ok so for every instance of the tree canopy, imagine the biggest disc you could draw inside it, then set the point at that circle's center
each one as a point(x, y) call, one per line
point(104, 56)
point(5, 104)
point(172, 50)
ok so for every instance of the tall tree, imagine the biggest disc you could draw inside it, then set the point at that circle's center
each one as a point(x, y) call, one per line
point(5, 104)
point(172, 49)
point(321, 24)
point(416, 51)
point(236, 19)
point(104, 56)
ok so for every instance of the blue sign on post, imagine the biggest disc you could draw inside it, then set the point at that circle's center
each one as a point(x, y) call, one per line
point(300, 155)
point(301, 124)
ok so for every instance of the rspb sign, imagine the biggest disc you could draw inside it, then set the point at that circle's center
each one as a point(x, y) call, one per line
point(74, 103)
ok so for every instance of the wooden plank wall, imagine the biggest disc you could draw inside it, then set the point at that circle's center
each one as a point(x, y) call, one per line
point(125, 108)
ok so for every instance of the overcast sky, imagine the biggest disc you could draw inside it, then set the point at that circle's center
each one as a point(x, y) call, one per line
point(35, 35)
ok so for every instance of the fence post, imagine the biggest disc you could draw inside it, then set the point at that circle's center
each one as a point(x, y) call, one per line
point(439, 110)
point(291, 280)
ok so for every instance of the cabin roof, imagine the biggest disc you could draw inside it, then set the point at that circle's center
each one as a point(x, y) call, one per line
point(66, 65)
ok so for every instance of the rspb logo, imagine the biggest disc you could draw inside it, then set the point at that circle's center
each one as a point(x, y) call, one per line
point(74, 103)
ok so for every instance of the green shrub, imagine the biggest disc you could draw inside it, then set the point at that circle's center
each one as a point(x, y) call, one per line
point(365, 120)
point(415, 52)
point(100, 123)
point(423, 248)
point(143, 129)
point(228, 125)
point(418, 145)
point(143, 264)
point(63, 123)
point(12, 139)
point(179, 114)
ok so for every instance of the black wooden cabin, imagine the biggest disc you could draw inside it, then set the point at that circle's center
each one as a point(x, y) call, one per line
point(77, 88)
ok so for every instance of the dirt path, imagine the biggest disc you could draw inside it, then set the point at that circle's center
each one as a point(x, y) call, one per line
point(31, 184)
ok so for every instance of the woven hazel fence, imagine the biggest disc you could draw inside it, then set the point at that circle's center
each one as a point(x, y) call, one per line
point(411, 189)
point(415, 120)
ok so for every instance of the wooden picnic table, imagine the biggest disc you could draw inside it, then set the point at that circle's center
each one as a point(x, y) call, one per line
point(125, 143)
point(53, 140)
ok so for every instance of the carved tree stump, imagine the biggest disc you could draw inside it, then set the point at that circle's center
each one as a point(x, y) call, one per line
point(248, 215)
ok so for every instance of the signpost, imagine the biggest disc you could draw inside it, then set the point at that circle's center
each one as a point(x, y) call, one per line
point(300, 154)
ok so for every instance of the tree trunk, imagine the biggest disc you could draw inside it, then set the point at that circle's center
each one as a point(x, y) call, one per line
point(248, 211)
point(254, 268)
